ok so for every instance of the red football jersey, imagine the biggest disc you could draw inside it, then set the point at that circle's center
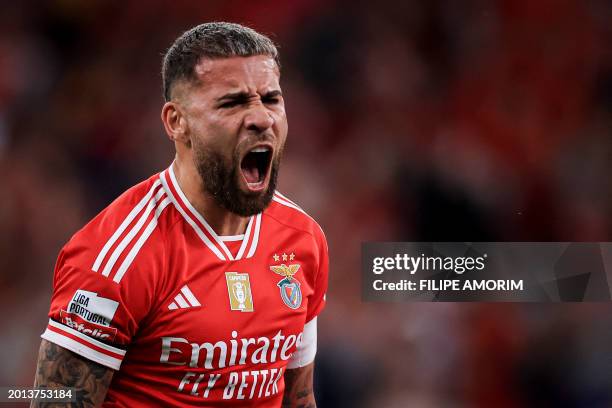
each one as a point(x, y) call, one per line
point(188, 317)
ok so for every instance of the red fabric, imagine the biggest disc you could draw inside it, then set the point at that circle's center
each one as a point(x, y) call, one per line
point(174, 256)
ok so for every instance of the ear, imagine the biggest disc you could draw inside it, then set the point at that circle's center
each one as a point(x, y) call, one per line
point(175, 123)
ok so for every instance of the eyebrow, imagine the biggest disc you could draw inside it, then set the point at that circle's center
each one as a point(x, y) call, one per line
point(241, 95)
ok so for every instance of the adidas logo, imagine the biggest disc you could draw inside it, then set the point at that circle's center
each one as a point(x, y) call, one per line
point(184, 300)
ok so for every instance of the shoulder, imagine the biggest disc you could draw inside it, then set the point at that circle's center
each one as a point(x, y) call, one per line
point(131, 224)
point(285, 211)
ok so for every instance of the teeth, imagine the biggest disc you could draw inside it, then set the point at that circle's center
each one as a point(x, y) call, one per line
point(260, 150)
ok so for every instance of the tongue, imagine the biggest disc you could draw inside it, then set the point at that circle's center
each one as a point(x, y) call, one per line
point(250, 169)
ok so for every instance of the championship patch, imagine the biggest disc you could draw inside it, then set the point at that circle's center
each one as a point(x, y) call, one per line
point(239, 291)
point(289, 287)
point(91, 314)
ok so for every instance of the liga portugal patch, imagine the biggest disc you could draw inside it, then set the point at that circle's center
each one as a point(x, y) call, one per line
point(91, 315)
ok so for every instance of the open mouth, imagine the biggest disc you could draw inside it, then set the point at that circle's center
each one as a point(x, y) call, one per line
point(255, 167)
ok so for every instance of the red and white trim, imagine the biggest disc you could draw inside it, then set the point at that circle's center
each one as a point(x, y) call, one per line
point(281, 199)
point(251, 237)
point(83, 345)
point(245, 239)
point(141, 240)
point(149, 209)
point(255, 240)
point(132, 233)
point(124, 225)
point(231, 238)
point(210, 238)
point(306, 349)
point(285, 198)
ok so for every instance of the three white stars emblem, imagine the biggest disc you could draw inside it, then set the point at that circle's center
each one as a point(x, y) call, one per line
point(284, 256)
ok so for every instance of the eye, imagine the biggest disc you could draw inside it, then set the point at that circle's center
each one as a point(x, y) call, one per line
point(229, 104)
point(272, 100)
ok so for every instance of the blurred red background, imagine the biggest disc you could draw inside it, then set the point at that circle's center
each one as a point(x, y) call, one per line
point(409, 120)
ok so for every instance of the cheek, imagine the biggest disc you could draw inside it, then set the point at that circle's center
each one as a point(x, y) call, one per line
point(215, 134)
point(281, 124)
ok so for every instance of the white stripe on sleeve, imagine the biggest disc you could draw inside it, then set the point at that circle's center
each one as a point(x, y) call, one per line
point(307, 348)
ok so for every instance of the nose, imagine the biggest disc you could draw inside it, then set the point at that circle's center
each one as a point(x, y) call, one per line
point(258, 119)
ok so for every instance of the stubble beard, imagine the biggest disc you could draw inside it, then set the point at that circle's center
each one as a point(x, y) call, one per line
point(221, 180)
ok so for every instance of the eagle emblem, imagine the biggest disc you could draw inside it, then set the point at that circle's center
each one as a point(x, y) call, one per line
point(284, 270)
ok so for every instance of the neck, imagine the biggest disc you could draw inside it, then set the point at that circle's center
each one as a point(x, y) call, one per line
point(222, 221)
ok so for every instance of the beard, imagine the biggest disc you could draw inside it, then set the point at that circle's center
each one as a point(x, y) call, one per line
point(222, 181)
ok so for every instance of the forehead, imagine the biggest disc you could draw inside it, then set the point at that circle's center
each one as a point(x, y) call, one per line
point(238, 73)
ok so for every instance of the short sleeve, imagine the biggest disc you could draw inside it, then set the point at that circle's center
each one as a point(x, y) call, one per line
point(319, 297)
point(306, 349)
point(91, 314)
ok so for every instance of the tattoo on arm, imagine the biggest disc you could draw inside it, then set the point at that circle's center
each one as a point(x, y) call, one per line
point(299, 388)
point(60, 368)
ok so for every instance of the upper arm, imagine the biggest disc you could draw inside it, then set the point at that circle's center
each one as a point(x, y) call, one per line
point(300, 370)
point(61, 368)
point(319, 280)
point(94, 316)
point(299, 387)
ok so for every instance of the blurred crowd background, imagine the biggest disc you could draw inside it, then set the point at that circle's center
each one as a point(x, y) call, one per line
point(441, 120)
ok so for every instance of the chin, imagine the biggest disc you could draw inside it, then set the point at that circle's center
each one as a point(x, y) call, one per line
point(247, 203)
point(252, 203)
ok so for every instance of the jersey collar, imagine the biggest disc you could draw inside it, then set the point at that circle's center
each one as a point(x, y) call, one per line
point(203, 229)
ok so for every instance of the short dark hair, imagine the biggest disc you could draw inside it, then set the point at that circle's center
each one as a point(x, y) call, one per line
point(211, 40)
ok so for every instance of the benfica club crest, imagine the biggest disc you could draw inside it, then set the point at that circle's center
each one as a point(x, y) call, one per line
point(289, 287)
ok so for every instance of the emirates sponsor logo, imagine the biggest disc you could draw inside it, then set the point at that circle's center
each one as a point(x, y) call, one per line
point(261, 382)
point(250, 350)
